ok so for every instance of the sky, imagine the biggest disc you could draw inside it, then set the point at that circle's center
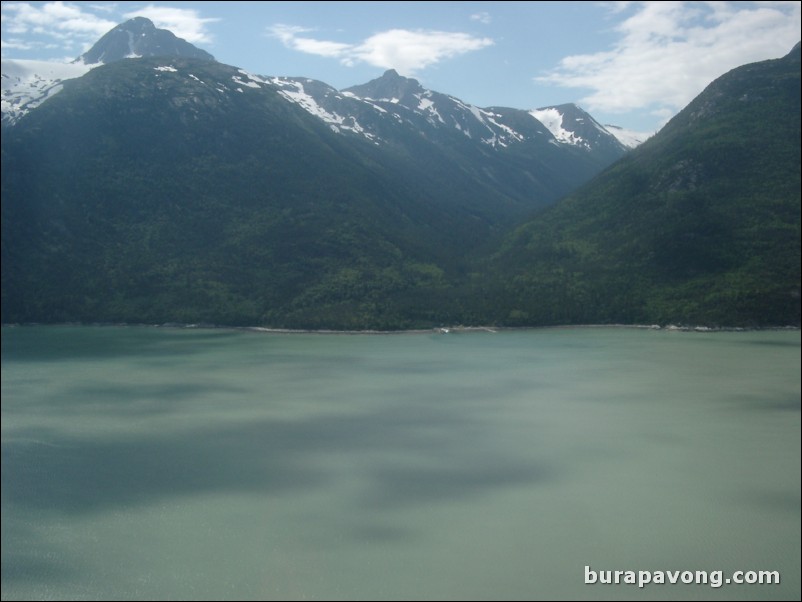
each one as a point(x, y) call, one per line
point(632, 64)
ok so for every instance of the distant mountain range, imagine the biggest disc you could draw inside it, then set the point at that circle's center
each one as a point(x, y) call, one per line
point(163, 186)
point(33, 81)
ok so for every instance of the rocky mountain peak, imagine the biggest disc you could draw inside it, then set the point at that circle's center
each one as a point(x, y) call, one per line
point(390, 86)
point(139, 37)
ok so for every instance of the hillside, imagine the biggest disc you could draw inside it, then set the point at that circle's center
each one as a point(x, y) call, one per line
point(699, 225)
point(141, 195)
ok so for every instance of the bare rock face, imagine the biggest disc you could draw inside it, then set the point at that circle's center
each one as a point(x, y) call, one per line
point(138, 38)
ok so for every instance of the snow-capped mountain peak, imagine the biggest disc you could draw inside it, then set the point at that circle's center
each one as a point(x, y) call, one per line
point(26, 84)
point(139, 37)
point(569, 124)
point(378, 110)
point(390, 87)
point(552, 118)
point(396, 101)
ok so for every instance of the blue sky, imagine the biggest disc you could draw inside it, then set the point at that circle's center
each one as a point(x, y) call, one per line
point(633, 64)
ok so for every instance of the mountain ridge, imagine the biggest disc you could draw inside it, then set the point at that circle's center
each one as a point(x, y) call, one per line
point(179, 189)
point(138, 37)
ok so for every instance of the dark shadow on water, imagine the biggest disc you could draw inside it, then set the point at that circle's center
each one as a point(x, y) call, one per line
point(121, 400)
point(775, 343)
point(25, 568)
point(20, 565)
point(381, 534)
point(789, 404)
point(400, 486)
point(55, 343)
point(64, 473)
point(763, 403)
point(43, 469)
point(776, 501)
point(58, 477)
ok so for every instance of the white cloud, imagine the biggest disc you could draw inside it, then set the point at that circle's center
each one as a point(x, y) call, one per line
point(60, 20)
point(13, 43)
point(185, 23)
point(289, 36)
point(104, 8)
point(408, 51)
point(668, 52)
point(401, 49)
point(482, 17)
point(286, 33)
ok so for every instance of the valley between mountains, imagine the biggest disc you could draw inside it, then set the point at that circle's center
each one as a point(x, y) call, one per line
point(148, 183)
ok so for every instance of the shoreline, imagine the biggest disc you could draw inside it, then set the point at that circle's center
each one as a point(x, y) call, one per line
point(441, 330)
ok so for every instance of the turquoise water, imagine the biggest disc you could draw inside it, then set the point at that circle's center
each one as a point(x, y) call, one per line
point(165, 463)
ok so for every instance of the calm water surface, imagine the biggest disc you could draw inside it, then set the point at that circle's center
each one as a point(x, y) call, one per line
point(157, 463)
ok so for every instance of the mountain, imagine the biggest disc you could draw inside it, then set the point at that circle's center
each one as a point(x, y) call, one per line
point(27, 84)
point(571, 125)
point(152, 192)
point(508, 161)
point(179, 189)
point(699, 225)
point(137, 38)
point(169, 189)
point(363, 109)
point(173, 188)
point(503, 151)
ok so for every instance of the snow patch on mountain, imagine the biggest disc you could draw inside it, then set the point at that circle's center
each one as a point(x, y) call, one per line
point(253, 80)
point(629, 138)
point(375, 106)
point(511, 133)
point(425, 104)
point(497, 127)
point(294, 91)
point(553, 120)
point(26, 84)
point(249, 83)
point(427, 107)
point(477, 112)
point(131, 51)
